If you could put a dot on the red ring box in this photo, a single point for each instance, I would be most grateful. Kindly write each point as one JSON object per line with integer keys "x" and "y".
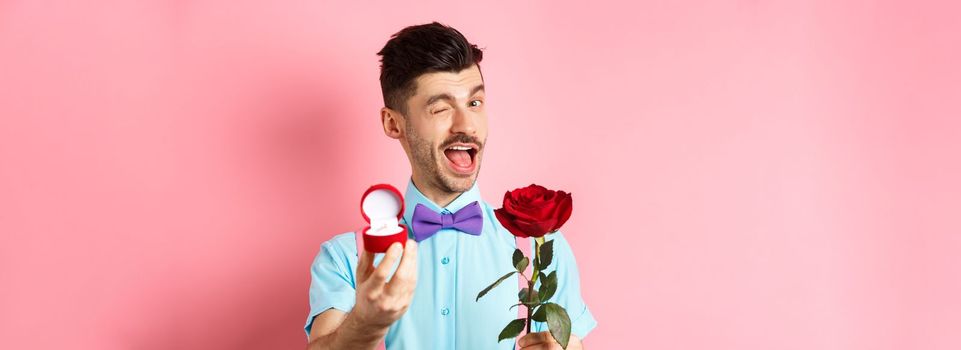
{"x": 382, "y": 206}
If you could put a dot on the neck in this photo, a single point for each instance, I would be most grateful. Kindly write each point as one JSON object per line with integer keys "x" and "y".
{"x": 440, "y": 197}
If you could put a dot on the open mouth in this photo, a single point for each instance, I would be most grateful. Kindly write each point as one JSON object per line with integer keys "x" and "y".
{"x": 462, "y": 158}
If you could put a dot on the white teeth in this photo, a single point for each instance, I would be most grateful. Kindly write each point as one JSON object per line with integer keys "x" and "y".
{"x": 460, "y": 148}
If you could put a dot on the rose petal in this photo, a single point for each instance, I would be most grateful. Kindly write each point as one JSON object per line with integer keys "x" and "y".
{"x": 535, "y": 228}
{"x": 519, "y": 210}
{"x": 508, "y": 222}
{"x": 565, "y": 207}
{"x": 510, "y": 204}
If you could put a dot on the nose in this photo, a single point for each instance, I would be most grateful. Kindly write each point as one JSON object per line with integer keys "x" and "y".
{"x": 463, "y": 122}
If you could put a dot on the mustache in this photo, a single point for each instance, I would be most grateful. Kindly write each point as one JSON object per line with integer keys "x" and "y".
{"x": 461, "y": 138}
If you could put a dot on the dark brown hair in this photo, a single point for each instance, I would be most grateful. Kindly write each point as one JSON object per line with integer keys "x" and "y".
{"x": 417, "y": 50}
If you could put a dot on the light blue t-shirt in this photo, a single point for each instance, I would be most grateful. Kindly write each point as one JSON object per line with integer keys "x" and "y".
{"x": 452, "y": 268}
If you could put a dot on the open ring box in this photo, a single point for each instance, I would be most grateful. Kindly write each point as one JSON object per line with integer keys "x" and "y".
{"x": 382, "y": 206}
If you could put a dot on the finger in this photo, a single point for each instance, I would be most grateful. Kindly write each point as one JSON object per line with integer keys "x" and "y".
{"x": 364, "y": 265}
{"x": 542, "y": 346}
{"x": 535, "y": 338}
{"x": 538, "y": 347}
{"x": 408, "y": 263}
{"x": 406, "y": 275}
{"x": 383, "y": 270}
{"x": 575, "y": 343}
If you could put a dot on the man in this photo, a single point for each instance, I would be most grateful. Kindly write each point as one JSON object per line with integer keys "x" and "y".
{"x": 434, "y": 105}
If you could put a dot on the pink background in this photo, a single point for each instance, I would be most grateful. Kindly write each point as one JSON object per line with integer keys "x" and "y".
{"x": 746, "y": 174}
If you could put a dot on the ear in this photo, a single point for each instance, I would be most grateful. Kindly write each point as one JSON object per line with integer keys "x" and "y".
{"x": 393, "y": 122}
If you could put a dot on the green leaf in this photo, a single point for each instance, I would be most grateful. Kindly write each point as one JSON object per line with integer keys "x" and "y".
{"x": 548, "y": 286}
{"x": 522, "y": 265}
{"x": 547, "y": 254}
{"x": 518, "y": 255}
{"x": 559, "y": 323}
{"x": 540, "y": 315}
{"x": 499, "y": 280}
{"x": 528, "y": 298}
{"x": 512, "y": 330}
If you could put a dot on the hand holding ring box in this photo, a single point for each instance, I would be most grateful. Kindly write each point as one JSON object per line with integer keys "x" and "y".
{"x": 382, "y": 206}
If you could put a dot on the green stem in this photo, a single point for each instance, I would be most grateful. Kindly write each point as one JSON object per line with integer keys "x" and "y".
{"x": 530, "y": 310}
{"x": 535, "y": 271}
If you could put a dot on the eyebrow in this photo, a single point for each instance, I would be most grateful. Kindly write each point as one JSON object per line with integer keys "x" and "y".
{"x": 446, "y": 96}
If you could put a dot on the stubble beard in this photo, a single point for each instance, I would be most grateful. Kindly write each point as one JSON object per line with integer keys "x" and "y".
{"x": 427, "y": 159}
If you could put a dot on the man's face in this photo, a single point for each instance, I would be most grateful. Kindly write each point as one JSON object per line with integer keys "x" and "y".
{"x": 446, "y": 129}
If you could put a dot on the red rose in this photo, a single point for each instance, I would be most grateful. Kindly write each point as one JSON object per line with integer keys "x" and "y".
{"x": 534, "y": 211}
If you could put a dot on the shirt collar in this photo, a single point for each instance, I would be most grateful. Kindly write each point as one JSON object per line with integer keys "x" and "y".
{"x": 414, "y": 196}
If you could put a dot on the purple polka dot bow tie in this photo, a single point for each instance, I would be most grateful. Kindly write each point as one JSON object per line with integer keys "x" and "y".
{"x": 427, "y": 222}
